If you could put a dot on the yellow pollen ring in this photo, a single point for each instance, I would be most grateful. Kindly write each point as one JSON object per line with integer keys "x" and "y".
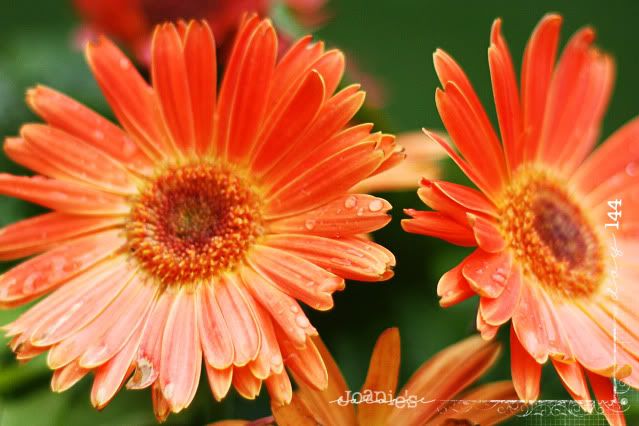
{"x": 550, "y": 235}
{"x": 191, "y": 223}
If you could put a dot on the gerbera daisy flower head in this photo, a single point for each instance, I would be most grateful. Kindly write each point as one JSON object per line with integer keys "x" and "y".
{"x": 538, "y": 220}
{"x": 436, "y": 394}
{"x": 192, "y": 231}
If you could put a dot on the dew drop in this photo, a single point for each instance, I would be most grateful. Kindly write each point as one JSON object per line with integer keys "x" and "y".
{"x": 168, "y": 391}
{"x": 499, "y": 278}
{"x": 360, "y": 211}
{"x": 124, "y": 63}
{"x": 310, "y": 224}
{"x": 631, "y": 169}
{"x": 294, "y": 309}
{"x": 276, "y": 359}
{"x": 29, "y": 284}
{"x": 99, "y": 135}
{"x": 302, "y": 321}
{"x": 350, "y": 202}
{"x": 375, "y": 205}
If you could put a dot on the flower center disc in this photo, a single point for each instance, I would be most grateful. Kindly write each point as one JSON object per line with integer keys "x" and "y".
{"x": 193, "y": 222}
{"x": 550, "y": 235}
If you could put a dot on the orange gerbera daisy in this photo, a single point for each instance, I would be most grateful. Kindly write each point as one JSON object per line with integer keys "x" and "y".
{"x": 132, "y": 21}
{"x": 193, "y": 231}
{"x": 427, "y": 398}
{"x": 539, "y": 217}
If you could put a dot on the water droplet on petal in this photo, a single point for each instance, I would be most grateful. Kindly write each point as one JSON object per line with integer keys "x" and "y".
{"x": 168, "y": 391}
{"x": 302, "y": 321}
{"x": 310, "y": 224}
{"x": 276, "y": 359}
{"x": 350, "y": 202}
{"x": 631, "y": 169}
{"x": 124, "y": 63}
{"x": 498, "y": 278}
{"x": 99, "y": 135}
{"x": 294, "y": 309}
{"x": 375, "y": 205}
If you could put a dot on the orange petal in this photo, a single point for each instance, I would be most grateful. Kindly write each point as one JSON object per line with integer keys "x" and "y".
{"x": 348, "y": 214}
{"x": 330, "y": 177}
{"x": 77, "y": 161}
{"x": 526, "y": 372}
{"x": 349, "y": 258}
{"x": 67, "y": 317}
{"x": 607, "y": 399}
{"x": 292, "y": 67}
{"x": 62, "y": 196}
{"x": 319, "y": 400}
{"x": 438, "y": 225}
{"x": 453, "y": 288}
{"x": 506, "y": 93}
{"x": 150, "y": 351}
{"x": 487, "y": 331}
{"x": 170, "y": 82}
{"x": 454, "y": 200}
{"x": 110, "y": 376}
{"x": 180, "y": 369}
{"x": 497, "y": 311}
{"x": 70, "y": 116}
{"x": 489, "y": 404}
{"x": 331, "y": 66}
{"x": 280, "y": 389}
{"x": 306, "y": 364}
{"x": 219, "y": 381}
{"x": 49, "y": 270}
{"x": 536, "y": 74}
{"x": 64, "y": 378}
{"x": 296, "y": 277}
{"x": 317, "y": 143}
{"x": 107, "y": 333}
{"x": 269, "y": 359}
{"x": 617, "y": 154}
{"x": 487, "y": 234}
{"x": 284, "y": 310}
{"x": 217, "y": 342}
{"x": 488, "y": 273}
{"x": 240, "y": 320}
{"x": 130, "y": 97}
{"x": 40, "y": 233}
{"x": 383, "y": 372}
{"x": 201, "y": 70}
{"x": 294, "y": 414}
{"x": 282, "y": 129}
{"x": 573, "y": 378}
{"x": 579, "y": 94}
{"x": 445, "y": 375}
{"x": 473, "y": 134}
{"x": 246, "y": 384}
{"x": 243, "y": 95}
{"x": 161, "y": 407}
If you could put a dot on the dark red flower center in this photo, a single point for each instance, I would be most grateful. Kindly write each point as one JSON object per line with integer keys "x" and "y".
{"x": 191, "y": 223}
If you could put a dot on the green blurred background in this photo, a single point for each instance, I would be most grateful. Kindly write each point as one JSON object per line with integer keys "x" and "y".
{"x": 392, "y": 41}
